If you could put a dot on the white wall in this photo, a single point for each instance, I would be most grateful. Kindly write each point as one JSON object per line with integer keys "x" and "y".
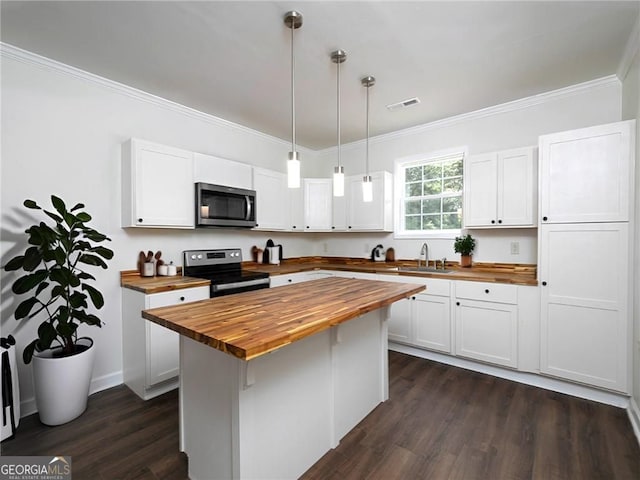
{"x": 630, "y": 110}
{"x": 512, "y": 125}
{"x": 61, "y": 134}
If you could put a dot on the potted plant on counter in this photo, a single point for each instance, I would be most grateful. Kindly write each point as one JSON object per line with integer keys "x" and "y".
{"x": 464, "y": 245}
{"x": 54, "y": 274}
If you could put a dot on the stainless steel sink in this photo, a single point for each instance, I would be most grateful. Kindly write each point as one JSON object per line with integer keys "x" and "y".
{"x": 423, "y": 269}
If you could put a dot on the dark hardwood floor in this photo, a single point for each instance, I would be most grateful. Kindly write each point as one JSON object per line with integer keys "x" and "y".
{"x": 440, "y": 422}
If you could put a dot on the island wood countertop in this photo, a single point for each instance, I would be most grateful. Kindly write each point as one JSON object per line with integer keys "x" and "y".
{"x": 250, "y": 324}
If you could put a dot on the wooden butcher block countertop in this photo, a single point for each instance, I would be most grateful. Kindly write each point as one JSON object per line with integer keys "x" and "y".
{"x": 131, "y": 279}
{"x": 250, "y": 324}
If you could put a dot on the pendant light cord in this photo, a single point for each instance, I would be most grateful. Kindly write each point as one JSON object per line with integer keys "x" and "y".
{"x": 293, "y": 95}
{"x": 367, "y": 157}
{"x": 339, "y": 162}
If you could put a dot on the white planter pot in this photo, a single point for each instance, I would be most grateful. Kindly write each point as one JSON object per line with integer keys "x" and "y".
{"x": 62, "y": 384}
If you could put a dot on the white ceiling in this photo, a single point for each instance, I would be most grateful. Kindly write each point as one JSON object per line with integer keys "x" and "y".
{"x": 232, "y": 59}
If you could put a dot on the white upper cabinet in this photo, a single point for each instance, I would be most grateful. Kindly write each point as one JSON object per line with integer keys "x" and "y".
{"x": 500, "y": 189}
{"x": 272, "y": 199}
{"x": 585, "y": 174}
{"x": 220, "y": 171}
{"x": 318, "y": 208}
{"x": 157, "y": 186}
{"x": 370, "y": 216}
{"x": 296, "y": 209}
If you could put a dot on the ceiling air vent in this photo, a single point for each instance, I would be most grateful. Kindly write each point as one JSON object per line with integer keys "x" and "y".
{"x": 403, "y": 104}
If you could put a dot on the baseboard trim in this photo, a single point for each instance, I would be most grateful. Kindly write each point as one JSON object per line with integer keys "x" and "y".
{"x": 533, "y": 379}
{"x": 634, "y": 417}
{"x": 28, "y": 406}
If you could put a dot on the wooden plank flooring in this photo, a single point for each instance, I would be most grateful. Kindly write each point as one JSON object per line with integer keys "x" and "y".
{"x": 440, "y": 422}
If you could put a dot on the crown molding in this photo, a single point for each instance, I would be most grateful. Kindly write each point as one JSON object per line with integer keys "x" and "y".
{"x": 608, "y": 81}
{"x": 630, "y": 51}
{"x": 24, "y": 56}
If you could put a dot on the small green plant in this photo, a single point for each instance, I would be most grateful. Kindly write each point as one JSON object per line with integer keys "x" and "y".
{"x": 464, "y": 245}
{"x": 54, "y": 262}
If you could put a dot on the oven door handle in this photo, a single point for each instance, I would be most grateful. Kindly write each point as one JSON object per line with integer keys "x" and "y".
{"x": 248, "y": 283}
{"x": 248, "y": 200}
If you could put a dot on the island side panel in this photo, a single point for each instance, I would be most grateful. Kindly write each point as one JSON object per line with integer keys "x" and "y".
{"x": 359, "y": 358}
{"x": 285, "y": 415}
{"x": 208, "y": 410}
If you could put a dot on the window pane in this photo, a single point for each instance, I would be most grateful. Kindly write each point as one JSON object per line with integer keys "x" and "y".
{"x": 432, "y": 187}
{"x": 413, "y": 174}
{"x": 451, "y": 221}
{"x": 412, "y": 206}
{"x": 431, "y": 222}
{"x": 451, "y": 185}
{"x": 412, "y": 222}
{"x": 414, "y": 190}
{"x": 452, "y": 168}
{"x": 432, "y": 170}
{"x": 452, "y": 204}
{"x": 431, "y": 206}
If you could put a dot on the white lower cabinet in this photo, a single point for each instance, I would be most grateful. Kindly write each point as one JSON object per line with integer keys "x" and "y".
{"x": 424, "y": 320}
{"x": 151, "y": 352}
{"x": 486, "y": 322}
{"x": 279, "y": 280}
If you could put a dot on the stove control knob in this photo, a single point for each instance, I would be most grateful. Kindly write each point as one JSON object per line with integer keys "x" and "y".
{"x": 199, "y": 256}
{"x": 193, "y": 257}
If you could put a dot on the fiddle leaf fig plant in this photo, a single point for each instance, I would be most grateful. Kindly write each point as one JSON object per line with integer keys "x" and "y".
{"x": 54, "y": 266}
{"x": 464, "y": 245}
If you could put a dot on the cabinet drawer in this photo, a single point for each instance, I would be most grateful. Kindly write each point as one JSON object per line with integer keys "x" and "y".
{"x": 176, "y": 297}
{"x": 488, "y": 292}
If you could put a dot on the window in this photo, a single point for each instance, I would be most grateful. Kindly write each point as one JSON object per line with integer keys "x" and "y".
{"x": 430, "y": 195}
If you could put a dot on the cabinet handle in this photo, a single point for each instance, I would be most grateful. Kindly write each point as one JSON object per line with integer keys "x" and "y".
{"x": 544, "y": 219}
{"x": 182, "y": 299}
{"x": 333, "y": 228}
{"x": 486, "y": 290}
{"x": 307, "y": 226}
{"x": 139, "y": 220}
{"x": 349, "y": 226}
{"x": 413, "y": 298}
{"x": 544, "y": 284}
{"x": 289, "y": 280}
{"x": 493, "y": 221}
{"x": 294, "y": 227}
{"x": 458, "y": 303}
{"x": 499, "y": 221}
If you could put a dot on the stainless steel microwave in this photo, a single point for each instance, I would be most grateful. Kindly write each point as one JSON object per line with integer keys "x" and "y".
{"x": 222, "y": 206}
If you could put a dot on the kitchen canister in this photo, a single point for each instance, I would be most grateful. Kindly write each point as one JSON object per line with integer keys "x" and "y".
{"x": 163, "y": 270}
{"x": 148, "y": 269}
{"x": 172, "y": 270}
{"x": 274, "y": 255}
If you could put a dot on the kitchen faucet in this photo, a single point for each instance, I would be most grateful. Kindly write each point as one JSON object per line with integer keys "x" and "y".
{"x": 424, "y": 251}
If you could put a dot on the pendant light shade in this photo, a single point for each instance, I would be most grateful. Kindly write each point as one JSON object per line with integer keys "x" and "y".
{"x": 293, "y": 20}
{"x": 338, "y": 57}
{"x": 367, "y": 184}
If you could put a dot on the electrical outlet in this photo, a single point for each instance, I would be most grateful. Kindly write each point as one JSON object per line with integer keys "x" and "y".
{"x": 515, "y": 248}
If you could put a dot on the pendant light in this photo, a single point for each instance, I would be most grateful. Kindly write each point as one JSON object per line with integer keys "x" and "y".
{"x": 367, "y": 183}
{"x": 338, "y": 57}
{"x": 293, "y": 20}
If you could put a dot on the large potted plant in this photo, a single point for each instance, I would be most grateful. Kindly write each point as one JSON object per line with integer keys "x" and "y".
{"x": 464, "y": 245}
{"x": 60, "y": 291}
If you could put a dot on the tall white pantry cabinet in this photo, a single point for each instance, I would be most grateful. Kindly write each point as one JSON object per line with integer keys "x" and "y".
{"x": 585, "y": 247}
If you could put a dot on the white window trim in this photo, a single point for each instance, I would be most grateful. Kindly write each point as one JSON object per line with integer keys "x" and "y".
{"x": 398, "y": 195}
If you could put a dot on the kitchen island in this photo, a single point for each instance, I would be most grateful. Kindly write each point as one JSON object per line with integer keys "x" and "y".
{"x": 270, "y": 380}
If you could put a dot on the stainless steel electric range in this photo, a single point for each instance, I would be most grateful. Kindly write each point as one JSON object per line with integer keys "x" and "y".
{"x": 223, "y": 267}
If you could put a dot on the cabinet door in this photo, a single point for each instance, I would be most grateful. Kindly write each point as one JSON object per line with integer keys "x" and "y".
{"x": 296, "y": 209}
{"x": 374, "y": 215}
{"x": 432, "y": 322}
{"x": 399, "y": 328}
{"x": 480, "y": 187}
{"x": 149, "y": 171}
{"x": 487, "y": 331}
{"x": 272, "y": 199}
{"x": 517, "y": 187}
{"x": 318, "y": 209}
{"x": 220, "y": 171}
{"x": 163, "y": 351}
{"x": 584, "y": 174}
{"x": 339, "y": 223}
{"x": 279, "y": 280}
{"x": 584, "y": 303}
